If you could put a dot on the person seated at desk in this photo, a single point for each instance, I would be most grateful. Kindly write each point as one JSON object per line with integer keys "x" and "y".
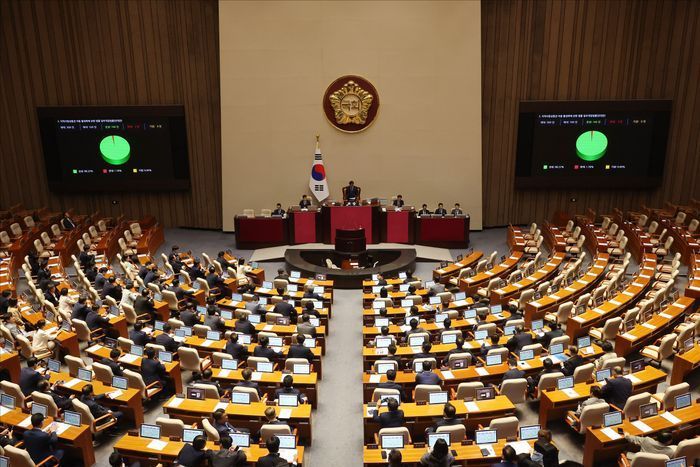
{"x": 398, "y": 202}
{"x": 205, "y": 378}
{"x": 179, "y": 292}
{"x": 545, "y": 452}
{"x": 113, "y": 362}
{"x": 88, "y": 397}
{"x": 222, "y": 425}
{"x": 80, "y": 309}
{"x": 193, "y": 454}
{"x": 414, "y": 328}
{"x": 166, "y": 339}
{"x": 309, "y": 293}
{"x": 311, "y": 310}
{"x": 137, "y": 336}
{"x": 254, "y": 306}
{"x": 5, "y": 301}
{"x": 278, "y": 211}
{"x": 575, "y": 360}
{"x": 427, "y": 376}
{"x": 43, "y": 275}
{"x": 244, "y": 326}
{"x": 494, "y": 339}
{"x": 43, "y": 339}
{"x": 213, "y": 320}
{"x": 299, "y": 350}
{"x": 609, "y": 353}
{"x": 217, "y": 285}
{"x": 15, "y": 326}
{"x": 61, "y": 401}
{"x": 175, "y": 260}
{"x": 283, "y": 307}
{"x": 96, "y": 321}
{"x": 262, "y": 350}
{"x": 116, "y": 460}
{"x": 129, "y": 294}
{"x": 394, "y": 458}
{"x": 617, "y": 389}
{"x": 457, "y": 211}
{"x": 305, "y": 327}
{"x": 392, "y": 418}
{"x": 449, "y": 418}
{"x": 227, "y": 455}
{"x": 547, "y": 368}
{"x": 225, "y": 264}
{"x": 440, "y": 456}
{"x": 67, "y": 223}
{"x": 440, "y": 211}
{"x": 595, "y": 397}
{"x": 305, "y": 202}
{"x": 143, "y": 304}
{"x": 425, "y": 352}
{"x": 270, "y": 419}
{"x": 555, "y": 331}
{"x": 509, "y": 458}
{"x": 287, "y": 388}
{"x": 234, "y": 349}
{"x": 663, "y": 444}
{"x": 52, "y": 295}
{"x": 86, "y": 259}
{"x": 513, "y": 372}
{"x": 459, "y": 349}
{"x": 111, "y": 289}
{"x": 282, "y": 274}
{"x": 29, "y": 378}
{"x": 391, "y": 383}
{"x": 519, "y": 340}
{"x": 195, "y": 271}
{"x": 273, "y": 458}
{"x": 100, "y": 278}
{"x": 482, "y": 316}
{"x": 381, "y": 280}
{"x": 424, "y": 211}
{"x": 152, "y": 370}
{"x": 391, "y": 354}
{"x": 41, "y": 444}
{"x": 351, "y": 194}
{"x": 247, "y": 382}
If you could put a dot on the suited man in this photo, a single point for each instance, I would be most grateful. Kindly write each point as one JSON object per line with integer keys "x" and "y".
{"x": 61, "y": 401}
{"x": 398, "y": 202}
{"x": 206, "y": 379}
{"x": 227, "y": 455}
{"x": 351, "y": 193}
{"x": 459, "y": 349}
{"x": 309, "y": 293}
{"x": 298, "y": 350}
{"x": 213, "y": 320}
{"x": 80, "y": 309}
{"x": 96, "y": 321}
{"x": 425, "y": 352}
{"x": 391, "y": 383}
{"x": 254, "y": 306}
{"x": 166, "y": 339}
{"x": 152, "y": 369}
{"x": 519, "y": 340}
{"x": 556, "y": 331}
{"x": 100, "y": 278}
{"x": 51, "y": 294}
{"x": 282, "y": 274}
{"x": 175, "y": 260}
{"x": 424, "y": 211}
{"x": 273, "y": 458}
{"x": 278, "y": 211}
{"x": 85, "y": 259}
{"x": 305, "y": 327}
{"x": 427, "y": 376}
{"x": 138, "y": 336}
{"x": 144, "y": 304}
{"x": 88, "y": 397}
{"x": 215, "y": 281}
{"x": 288, "y": 388}
{"x": 113, "y": 362}
{"x": 283, "y": 308}
{"x": 449, "y": 418}
{"x": 305, "y": 202}
{"x": 29, "y": 378}
{"x": 617, "y": 389}
{"x": 544, "y": 446}
{"x": 179, "y": 292}
{"x": 457, "y": 211}
{"x": 193, "y": 454}
{"x": 441, "y": 211}
{"x": 234, "y": 349}
{"x": 66, "y": 222}
{"x": 513, "y": 372}
{"x": 244, "y": 326}
{"x": 570, "y": 365}
{"x": 152, "y": 275}
{"x": 247, "y": 382}
{"x": 393, "y": 418}
{"x": 311, "y": 311}
{"x": 189, "y": 316}
{"x": 196, "y": 271}
{"x": 262, "y": 350}
{"x": 112, "y": 289}
{"x": 40, "y": 444}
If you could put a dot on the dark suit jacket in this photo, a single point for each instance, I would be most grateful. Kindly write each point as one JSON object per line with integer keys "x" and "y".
{"x": 236, "y": 350}
{"x": 86, "y": 259}
{"x": 150, "y": 277}
{"x": 139, "y": 337}
{"x": 246, "y": 327}
{"x": 518, "y": 341}
{"x": 266, "y": 352}
{"x": 215, "y": 281}
{"x": 100, "y": 281}
{"x": 168, "y": 342}
{"x": 617, "y": 391}
{"x": 116, "y": 367}
{"x": 393, "y": 385}
{"x": 428, "y": 377}
{"x": 390, "y": 419}
{"x": 570, "y": 365}
{"x": 95, "y": 321}
{"x": 67, "y": 223}
{"x": 249, "y": 384}
{"x": 29, "y": 379}
{"x": 112, "y": 290}
{"x": 62, "y": 402}
{"x": 550, "y": 453}
{"x": 299, "y": 351}
{"x": 546, "y": 339}
{"x": 96, "y": 409}
{"x": 283, "y": 308}
{"x": 227, "y": 458}
{"x": 188, "y": 317}
{"x": 513, "y": 374}
{"x": 143, "y": 305}
{"x": 190, "y": 457}
{"x": 80, "y": 311}
{"x": 271, "y": 460}
{"x": 152, "y": 371}
{"x": 39, "y": 444}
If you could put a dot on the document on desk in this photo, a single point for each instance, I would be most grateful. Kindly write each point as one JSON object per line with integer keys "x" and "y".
{"x": 224, "y": 373}
{"x": 405, "y": 327}
{"x": 61, "y": 427}
{"x": 94, "y": 348}
{"x": 440, "y": 271}
{"x": 629, "y": 336}
{"x": 179, "y": 339}
{"x": 571, "y": 393}
{"x": 176, "y": 402}
{"x": 665, "y": 316}
{"x": 641, "y": 426}
{"x": 268, "y": 327}
{"x": 481, "y": 371}
{"x": 447, "y": 374}
{"x": 381, "y": 351}
{"x": 26, "y": 422}
{"x": 633, "y": 378}
{"x": 628, "y": 293}
{"x": 115, "y": 394}
{"x": 649, "y": 326}
{"x": 220, "y": 405}
{"x": 615, "y": 302}
{"x": 290, "y": 455}
{"x": 71, "y": 383}
{"x": 157, "y": 445}
{"x": 257, "y": 376}
{"x": 610, "y": 433}
{"x": 4, "y": 410}
{"x": 285, "y": 414}
{"x": 129, "y": 358}
{"x": 207, "y": 343}
{"x": 471, "y": 406}
{"x": 374, "y": 379}
{"x": 521, "y": 447}
{"x": 460, "y": 303}
{"x": 671, "y": 418}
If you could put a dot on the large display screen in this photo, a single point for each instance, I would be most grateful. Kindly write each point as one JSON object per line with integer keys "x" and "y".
{"x": 591, "y": 144}
{"x": 115, "y": 148}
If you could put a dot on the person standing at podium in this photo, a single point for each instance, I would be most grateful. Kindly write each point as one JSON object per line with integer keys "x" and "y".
{"x": 398, "y": 202}
{"x": 305, "y": 202}
{"x": 351, "y": 194}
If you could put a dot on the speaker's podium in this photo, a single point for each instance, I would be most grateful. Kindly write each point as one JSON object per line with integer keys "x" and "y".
{"x": 351, "y": 246}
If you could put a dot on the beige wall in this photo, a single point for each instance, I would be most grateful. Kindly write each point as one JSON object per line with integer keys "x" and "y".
{"x": 424, "y": 58}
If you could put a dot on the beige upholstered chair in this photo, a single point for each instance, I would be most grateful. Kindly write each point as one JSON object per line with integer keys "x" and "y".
{"x": 212, "y": 433}
{"x": 663, "y": 350}
{"x": 20, "y": 458}
{"x": 631, "y": 408}
{"x": 592, "y": 415}
{"x": 457, "y": 432}
{"x": 515, "y": 390}
{"x": 609, "y": 330}
{"x": 584, "y": 373}
{"x": 74, "y": 363}
{"x": 254, "y": 396}
{"x": 668, "y": 397}
{"x": 267, "y": 431}
{"x": 506, "y": 427}
{"x": 423, "y": 391}
{"x": 379, "y": 392}
{"x": 15, "y": 391}
{"x": 688, "y": 448}
{"x": 403, "y": 431}
{"x": 136, "y": 381}
{"x": 170, "y": 427}
{"x": 96, "y": 424}
{"x": 191, "y": 361}
{"x": 467, "y": 389}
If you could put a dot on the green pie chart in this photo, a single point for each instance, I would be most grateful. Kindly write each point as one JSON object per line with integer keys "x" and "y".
{"x": 115, "y": 150}
{"x": 591, "y": 145}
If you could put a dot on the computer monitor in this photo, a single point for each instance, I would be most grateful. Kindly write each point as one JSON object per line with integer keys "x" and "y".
{"x": 275, "y": 341}
{"x": 255, "y": 319}
{"x": 529, "y": 432}
{"x": 149, "y": 431}
{"x": 240, "y": 397}
{"x": 495, "y": 359}
{"x": 434, "y": 300}
{"x": 458, "y": 363}
{"x": 165, "y": 357}
{"x": 496, "y": 309}
{"x": 301, "y": 369}
{"x": 526, "y": 355}
{"x": 377, "y": 305}
{"x": 441, "y": 317}
{"x": 111, "y": 343}
{"x": 295, "y": 274}
{"x": 403, "y": 287}
{"x": 485, "y": 436}
{"x": 637, "y": 365}
{"x": 438, "y": 397}
{"x": 292, "y": 288}
{"x": 40, "y": 408}
{"x": 310, "y": 343}
{"x": 244, "y": 339}
{"x": 267, "y": 285}
{"x": 71, "y": 418}
{"x": 54, "y": 365}
{"x": 242, "y": 440}
{"x": 120, "y": 382}
{"x": 158, "y": 326}
{"x": 509, "y": 330}
{"x": 483, "y": 394}
{"x": 213, "y": 335}
{"x": 602, "y": 375}
{"x": 402, "y": 275}
{"x": 433, "y": 437}
{"x": 537, "y": 325}
{"x": 136, "y": 350}
{"x": 566, "y": 382}
{"x": 688, "y": 344}
{"x": 195, "y": 394}
{"x": 236, "y": 297}
{"x": 384, "y": 398}
{"x": 391, "y": 442}
{"x": 648, "y": 410}
{"x": 448, "y": 338}
{"x": 382, "y": 368}
{"x": 677, "y": 462}
{"x": 4, "y": 461}
{"x": 66, "y": 326}
{"x": 264, "y": 367}
{"x": 288, "y": 400}
{"x": 416, "y": 341}
{"x": 189, "y": 434}
{"x": 583, "y": 342}
{"x": 459, "y": 296}
{"x": 555, "y": 349}
{"x": 470, "y": 313}
{"x": 580, "y": 309}
{"x": 683, "y": 401}
{"x": 481, "y": 335}
{"x": 202, "y": 310}
{"x": 406, "y": 303}
{"x": 287, "y": 441}
{"x": 227, "y": 314}
{"x": 85, "y": 374}
{"x": 262, "y": 300}
{"x": 612, "y": 418}
{"x": 229, "y": 364}
{"x": 318, "y": 305}
{"x": 7, "y": 401}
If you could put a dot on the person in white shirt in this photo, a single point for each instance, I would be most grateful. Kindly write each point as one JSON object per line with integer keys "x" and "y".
{"x": 65, "y": 304}
{"x": 609, "y": 353}
{"x": 128, "y": 295}
{"x": 43, "y": 339}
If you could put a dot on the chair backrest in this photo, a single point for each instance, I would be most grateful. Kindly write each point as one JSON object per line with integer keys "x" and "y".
{"x": 4, "y": 237}
{"x": 503, "y": 351}
{"x": 47, "y": 400}
{"x": 457, "y": 432}
{"x": 536, "y": 348}
{"x": 18, "y": 457}
{"x": 669, "y": 399}
{"x": 468, "y": 389}
{"x": 631, "y": 408}
{"x": 129, "y": 313}
{"x": 419, "y": 361}
{"x": 209, "y": 429}
{"x": 592, "y": 415}
{"x": 82, "y": 330}
{"x": 124, "y": 344}
{"x": 693, "y": 226}
{"x": 403, "y": 431}
{"x": 217, "y": 357}
{"x": 515, "y": 390}
{"x": 549, "y": 380}
{"x": 189, "y": 358}
{"x": 506, "y": 427}
{"x": 565, "y": 340}
{"x": 491, "y": 328}
{"x": 652, "y": 227}
{"x": 103, "y": 373}
{"x": 210, "y": 391}
{"x": 688, "y": 448}
{"x": 647, "y": 459}
{"x": 200, "y": 330}
{"x": 267, "y": 431}
{"x": 86, "y": 416}
{"x": 135, "y": 380}
{"x": 25, "y": 348}
{"x": 252, "y": 362}
{"x": 583, "y": 373}
{"x": 611, "y": 328}
{"x": 13, "y": 389}
{"x": 613, "y": 362}
{"x": 564, "y": 312}
{"x": 203, "y": 285}
{"x": 666, "y": 345}
{"x": 254, "y": 396}
{"x": 170, "y": 299}
{"x": 379, "y": 392}
{"x": 170, "y": 427}
{"x": 459, "y": 356}
{"x": 135, "y": 228}
{"x": 74, "y": 363}
{"x": 16, "y": 229}
{"x": 290, "y": 362}
{"x": 423, "y": 391}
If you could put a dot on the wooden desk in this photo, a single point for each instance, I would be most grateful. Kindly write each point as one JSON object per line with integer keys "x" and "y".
{"x": 443, "y": 275}
{"x": 250, "y": 416}
{"x": 536, "y": 309}
{"x": 582, "y": 324}
{"x": 10, "y": 361}
{"x": 599, "y": 448}
{"x": 684, "y": 363}
{"x": 420, "y": 417}
{"x": 231, "y": 305}
{"x": 553, "y": 237}
{"x": 512, "y": 291}
{"x": 515, "y": 238}
{"x": 554, "y": 404}
{"x": 138, "y": 448}
{"x": 128, "y": 402}
{"x": 66, "y": 340}
{"x": 693, "y": 287}
{"x": 76, "y": 441}
{"x": 260, "y": 232}
{"x": 660, "y": 324}
{"x": 268, "y": 382}
{"x": 472, "y": 284}
{"x": 396, "y": 297}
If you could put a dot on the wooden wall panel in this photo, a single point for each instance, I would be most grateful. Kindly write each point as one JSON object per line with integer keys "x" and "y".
{"x": 111, "y": 52}
{"x": 587, "y": 50}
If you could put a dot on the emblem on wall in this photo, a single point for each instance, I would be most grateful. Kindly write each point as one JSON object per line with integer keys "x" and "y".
{"x": 351, "y": 103}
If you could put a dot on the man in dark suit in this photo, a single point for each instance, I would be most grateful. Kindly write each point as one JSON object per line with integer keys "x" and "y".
{"x": 398, "y": 202}
{"x": 153, "y": 370}
{"x": 225, "y": 264}
{"x": 144, "y": 268}
{"x": 427, "y": 376}
{"x": 617, "y": 389}
{"x": 213, "y": 320}
{"x": 227, "y": 455}
{"x": 288, "y": 388}
{"x": 351, "y": 193}
{"x": 96, "y": 321}
{"x": 262, "y": 350}
{"x": 100, "y": 278}
{"x": 112, "y": 289}
{"x": 61, "y": 401}
{"x": 244, "y": 326}
{"x": 138, "y": 336}
{"x": 284, "y": 308}
{"x": 193, "y": 455}
{"x": 569, "y": 366}
{"x": 273, "y": 458}
{"x": 216, "y": 284}
{"x": 278, "y": 211}
{"x": 40, "y": 444}
{"x": 80, "y": 309}
{"x": 205, "y": 378}
{"x": 51, "y": 294}
{"x": 393, "y": 418}
{"x": 166, "y": 339}
{"x": 519, "y": 340}
{"x": 513, "y": 372}
{"x": 144, "y": 304}
{"x": 29, "y": 378}
{"x": 175, "y": 260}
{"x": 544, "y": 446}
{"x": 282, "y": 274}
{"x": 457, "y": 210}
{"x": 309, "y": 293}
{"x": 441, "y": 211}
{"x": 459, "y": 349}
{"x": 509, "y": 457}
{"x": 391, "y": 383}
{"x": 547, "y": 368}
{"x": 222, "y": 425}
{"x": 425, "y": 351}
{"x": 113, "y": 362}
{"x": 247, "y": 382}
{"x": 298, "y": 350}
{"x": 67, "y": 223}
{"x": 234, "y": 349}
{"x": 85, "y": 259}
{"x": 424, "y": 211}
{"x": 88, "y": 397}
{"x": 556, "y": 331}
{"x": 189, "y": 316}
{"x": 449, "y": 418}
{"x": 196, "y": 271}
{"x": 152, "y": 275}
